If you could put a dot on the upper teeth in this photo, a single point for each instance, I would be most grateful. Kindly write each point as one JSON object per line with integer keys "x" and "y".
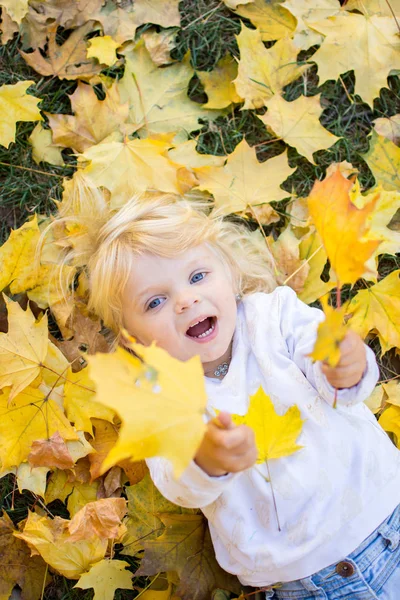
{"x": 197, "y": 322}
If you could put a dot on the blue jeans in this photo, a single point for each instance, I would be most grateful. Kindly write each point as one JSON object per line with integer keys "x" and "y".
{"x": 371, "y": 571}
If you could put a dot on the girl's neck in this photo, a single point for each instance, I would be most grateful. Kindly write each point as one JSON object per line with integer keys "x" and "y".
{"x": 209, "y": 368}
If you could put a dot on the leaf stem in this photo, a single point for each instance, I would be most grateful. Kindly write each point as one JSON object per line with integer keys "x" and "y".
{"x": 338, "y": 305}
{"x": 273, "y": 496}
{"x": 29, "y": 169}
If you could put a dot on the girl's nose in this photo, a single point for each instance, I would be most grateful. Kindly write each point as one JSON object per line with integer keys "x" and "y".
{"x": 185, "y": 300}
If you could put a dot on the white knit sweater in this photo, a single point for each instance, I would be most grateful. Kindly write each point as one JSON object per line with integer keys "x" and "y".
{"x": 331, "y": 494}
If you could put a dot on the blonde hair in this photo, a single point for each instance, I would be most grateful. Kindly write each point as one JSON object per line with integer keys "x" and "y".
{"x": 164, "y": 225}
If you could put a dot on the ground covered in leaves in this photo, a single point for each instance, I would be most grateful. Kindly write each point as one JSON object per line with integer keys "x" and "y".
{"x": 243, "y": 104}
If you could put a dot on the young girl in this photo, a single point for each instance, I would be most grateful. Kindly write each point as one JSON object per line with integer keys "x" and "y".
{"x": 200, "y": 285}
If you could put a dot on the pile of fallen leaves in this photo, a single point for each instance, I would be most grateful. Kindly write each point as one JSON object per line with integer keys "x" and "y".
{"x": 69, "y": 432}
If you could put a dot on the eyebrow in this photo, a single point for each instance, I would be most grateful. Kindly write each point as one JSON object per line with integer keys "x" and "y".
{"x": 147, "y": 291}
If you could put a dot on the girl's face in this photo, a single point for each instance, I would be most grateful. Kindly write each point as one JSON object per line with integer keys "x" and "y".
{"x": 186, "y": 304}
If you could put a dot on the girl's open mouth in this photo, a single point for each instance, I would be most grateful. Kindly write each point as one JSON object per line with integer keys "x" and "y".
{"x": 204, "y": 330}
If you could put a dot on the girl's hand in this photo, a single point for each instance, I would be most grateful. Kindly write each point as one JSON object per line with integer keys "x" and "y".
{"x": 226, "y": 448}
{"x": 351, "y": 366}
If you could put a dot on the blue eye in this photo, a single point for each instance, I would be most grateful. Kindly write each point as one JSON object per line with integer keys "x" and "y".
{"x": 154, "y": 303}
{"x": 197, "y": 277}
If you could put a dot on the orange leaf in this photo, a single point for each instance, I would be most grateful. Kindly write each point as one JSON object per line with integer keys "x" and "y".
{"x": 101, "y": 518}
{"x": 342, "y": 226}
{"x": 51, "y": 453}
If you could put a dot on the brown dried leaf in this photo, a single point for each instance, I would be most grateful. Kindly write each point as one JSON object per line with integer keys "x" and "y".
{"x": 17, "y": 564}
{"x": 68, "y": 61}
{"x": 51, "y": 453}
{"x": 101, "y": 519}
{"x": 7, "y": 27}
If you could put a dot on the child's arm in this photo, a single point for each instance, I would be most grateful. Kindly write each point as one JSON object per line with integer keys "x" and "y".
{"x": 225, "y": 451}
{"x": 357, "y": 372}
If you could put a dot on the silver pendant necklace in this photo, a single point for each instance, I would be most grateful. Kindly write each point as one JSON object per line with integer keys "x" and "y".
{"x": 221, "y": 370}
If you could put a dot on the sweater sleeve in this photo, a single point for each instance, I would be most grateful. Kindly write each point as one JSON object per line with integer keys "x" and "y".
{"x": 299, "y": 324}
{"x": 194, "y": 489}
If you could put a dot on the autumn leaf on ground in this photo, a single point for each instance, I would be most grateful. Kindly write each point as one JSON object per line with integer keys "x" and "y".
{"x": 308, "y": 11}
{"x": 30, "y": 416}
{"x": 16, "y": 105}
{"x": 383, "y": 158}
{"x": 270, "y": 18}
{"x": 330, "y": 333}
{"x": 371, "y": 7}
{"x": 378, "y": 308}
{"x": 185, "y": 547}
{"x": 341, "y": 226}
{"x": 105, "y": 437}
{"x": 23, "y": 349}
{"x": 8, "y": 27}
{"x": 244, "y": 181}
{"x": 218, "y": 83}
{"x": 105, "y": 577}
{"x": 17, "y": 566}
{"x": 297, "y": 123}
{"x": 16, "y": 256}
{"x": 312, "y": 250}
{"x": 159, "y": 45}
{"x": 367, "y": 45}
{"x": 162, "y": 414}
{"x": 68, "y": 61}
{"x": 79, "y": 401}
{"x": 389, "y": 128}
{"x": 264, "y": 72}
{"x": 142, "y": 522}
{"x": 17, "y": 9}
{"x": 390, "y": 421}
{"x": 160, "y": 12}
{"x": 158, "y": 100}
{"x": 276, "y": 435}
{"x": 291, "y": 269}
{"x": 126, "y": 168}
{"x": 52, "y": 452}
{"x": 101, "y": 518}
{"x": 43, "y": 149}
{"x": 103, "y": 48}
{"x": 94, "y": 119}
{"x": 73, "y": 487}
{"x": 51, "y": 539}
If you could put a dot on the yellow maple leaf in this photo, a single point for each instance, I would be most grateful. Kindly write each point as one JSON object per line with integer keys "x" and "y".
{"x": 162, "y": 415}
{"x": 308, "y": 11}
{"x": 28, "y": 417}
{"x": 383, "y": 158}
{"x": 94, "y": 119}
{"x": 16, "y": 105}
{"x": 378, "y": 308}
{"x": 157, "y": 97}
{"x": 378, "y": 7}
{"x": 276, "y": 435}
{"x": 17, "y": 9}
{"x": 313, "y": 252}
{"x": 264, "y": 72}
{"x": 126, "y": 168}
{"x": 43, "y": 148}
{"x": 341, "y": 226}
{"x": 105, "y": 577}
{"x": 243, "y": 181}
{"x": 159, "y": 45}
{"x": 218, "y": 83}
{"x": 270, "y": 18}
{"x": 330, "y": 333}
{"x": 390, "y": 421}
{"x": 79, "y": 401}
{"x": 104, "y": 49}
{"x": 51, "y": 539}
{"x": 366, "y": 44}
{"x": 297, "y": 123}
{"x": 16, "y": 256}
{"x": 101, "y": 518}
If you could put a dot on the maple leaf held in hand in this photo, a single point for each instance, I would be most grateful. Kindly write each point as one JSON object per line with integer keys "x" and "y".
{"x": 162, "y": 414}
